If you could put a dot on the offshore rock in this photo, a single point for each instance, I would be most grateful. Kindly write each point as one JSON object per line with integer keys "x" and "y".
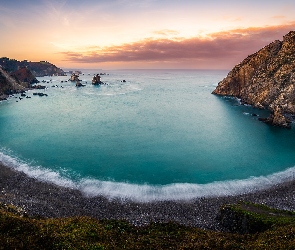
{"x": 266, "y": 79}
{"x": 74, "y": 78}
{"x": 96, "y": 80}
{"x": 79, "y": 84}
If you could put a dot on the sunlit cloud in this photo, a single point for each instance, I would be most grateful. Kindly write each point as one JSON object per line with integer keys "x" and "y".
{"x": 230, "y": 46}
{"x": 166, "y": 32}
{"x": 279, "y": 17}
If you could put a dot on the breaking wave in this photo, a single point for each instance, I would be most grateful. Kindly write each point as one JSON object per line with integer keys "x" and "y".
{"x": 147, "y": 193}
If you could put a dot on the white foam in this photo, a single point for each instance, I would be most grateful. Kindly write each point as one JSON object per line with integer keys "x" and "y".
{"x": 147, "y": 193}
{"x": 36, "y": 172}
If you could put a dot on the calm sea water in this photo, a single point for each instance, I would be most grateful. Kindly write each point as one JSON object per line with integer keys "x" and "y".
{"x": 159, "y": 135}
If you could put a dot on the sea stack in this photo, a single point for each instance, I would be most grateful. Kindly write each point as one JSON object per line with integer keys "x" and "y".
{"x": 74, "y": 78}
{"x": 96, "y": 80}
{"x": 266, "y": 79}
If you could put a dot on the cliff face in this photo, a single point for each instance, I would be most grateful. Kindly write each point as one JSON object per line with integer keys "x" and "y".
{"x": 25, "y": 77}
{"x": 38, "y": 69}
{"x": 266, "y": 79}
{"x": 9, "y": 84}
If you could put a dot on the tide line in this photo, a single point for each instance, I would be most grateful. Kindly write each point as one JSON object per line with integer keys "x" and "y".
{"x": 147, "y": 193}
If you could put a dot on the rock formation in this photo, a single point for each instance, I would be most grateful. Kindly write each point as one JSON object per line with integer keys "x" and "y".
{"x": 25, "y": 77}
{"x": 9, "y": 84}
{"x": 74, "y": 78}
{"x": 79, "y": 84}
{"x": 96, "y": 80}
{"x": 38, "y": 69}
{"x": 266, "y": 79}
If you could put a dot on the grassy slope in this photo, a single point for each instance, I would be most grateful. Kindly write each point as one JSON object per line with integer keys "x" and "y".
{"x": 20, "y": 232}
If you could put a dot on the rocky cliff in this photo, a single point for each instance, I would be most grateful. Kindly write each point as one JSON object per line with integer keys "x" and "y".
{"x": 266, "y": 79}
{"x": 25, "y": 77}
{"x": 9, "y": 84}
{"x": 38, "y": 69}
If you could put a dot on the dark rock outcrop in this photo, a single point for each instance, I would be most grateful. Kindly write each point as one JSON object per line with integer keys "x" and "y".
{"x": 74, "y": 78}
{"x": 25, "y": 77}
{"x": 79, "y": 84}
{"x": 9, "y": 84}
{"x": 96, "y": 80}
{"x": 266, "y": 79}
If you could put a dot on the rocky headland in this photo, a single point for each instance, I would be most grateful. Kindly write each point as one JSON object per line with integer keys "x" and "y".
{"x": 10, "y": 84}
{"x": 25, "y": 77}
{"x": 38, "y": 69}
{"x": 266, "y": 80}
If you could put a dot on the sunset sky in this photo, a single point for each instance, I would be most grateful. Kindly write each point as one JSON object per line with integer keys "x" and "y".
{"x": 121, "y": 34}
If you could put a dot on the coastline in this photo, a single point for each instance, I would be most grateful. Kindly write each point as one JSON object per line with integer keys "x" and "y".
{"x": 37, "y": 198}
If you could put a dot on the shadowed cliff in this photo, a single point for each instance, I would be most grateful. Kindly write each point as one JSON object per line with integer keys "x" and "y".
{"x": 15, "y": 82}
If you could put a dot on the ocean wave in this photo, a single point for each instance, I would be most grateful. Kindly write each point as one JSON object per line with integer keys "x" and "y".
{"x": 147, "y": 193}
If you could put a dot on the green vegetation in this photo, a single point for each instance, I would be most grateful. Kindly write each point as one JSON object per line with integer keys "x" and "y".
{"x": 246, "y": 217}
{"x": 18, "y": 231}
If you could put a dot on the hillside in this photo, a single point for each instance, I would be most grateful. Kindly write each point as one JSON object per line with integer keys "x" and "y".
{"x": 9, "y": 84}
{"x": 273, "y": 229}
{"x": 38, "y": 69}
{"x": 266, "y": 79}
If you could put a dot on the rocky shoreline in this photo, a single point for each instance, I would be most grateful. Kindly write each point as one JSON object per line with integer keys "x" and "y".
{"x": 266, "y": 80}
{"x": 36, "y": 198}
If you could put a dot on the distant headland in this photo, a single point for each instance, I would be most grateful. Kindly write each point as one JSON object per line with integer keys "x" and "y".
{"x": 266, "y": 79}
{"x": 18, "y": 76}
{"x": 38, "y": 69}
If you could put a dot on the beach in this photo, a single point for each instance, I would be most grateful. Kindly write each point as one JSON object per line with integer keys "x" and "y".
{"x": 48, "y": 200}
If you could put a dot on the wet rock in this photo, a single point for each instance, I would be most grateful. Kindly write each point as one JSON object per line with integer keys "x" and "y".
{"x": 277, "y": 119}
{"x": 74, "y": 77}
{"x": 40, "y": 94}
{"x": 96, "y": 80}
{"x": 79, "y": 84}
{"x": 38, "y": 87}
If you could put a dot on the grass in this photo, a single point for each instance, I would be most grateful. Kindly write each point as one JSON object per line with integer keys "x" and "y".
{"x": 252, "y": 218}
{"x": 21, "y": 232}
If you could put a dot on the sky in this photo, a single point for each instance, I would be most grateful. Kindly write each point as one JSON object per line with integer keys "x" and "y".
{"x": 141, "y": 34}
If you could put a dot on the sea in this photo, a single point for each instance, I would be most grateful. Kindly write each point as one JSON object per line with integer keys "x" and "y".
{"x": 144, "y": 135}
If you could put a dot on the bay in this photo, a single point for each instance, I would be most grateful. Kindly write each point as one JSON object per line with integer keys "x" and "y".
{"x": 160, "y": 129}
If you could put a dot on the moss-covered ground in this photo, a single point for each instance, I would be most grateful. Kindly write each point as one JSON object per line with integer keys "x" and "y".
{"x": 22, "y": 232}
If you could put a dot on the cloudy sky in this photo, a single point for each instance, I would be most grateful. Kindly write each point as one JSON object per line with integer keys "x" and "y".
{"x": 113, "y": 34}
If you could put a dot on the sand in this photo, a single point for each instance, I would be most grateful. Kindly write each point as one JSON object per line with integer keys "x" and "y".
{"x": 48, "y": 200}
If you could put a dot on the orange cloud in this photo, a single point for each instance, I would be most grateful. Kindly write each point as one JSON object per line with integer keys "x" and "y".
{"x": 279, "y": 17}
{"x": 228, "y": 47}
{"x": 166, "y": 32}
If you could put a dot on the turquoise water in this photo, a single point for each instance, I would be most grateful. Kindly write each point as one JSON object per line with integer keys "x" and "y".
{"x": 159, "y": 135}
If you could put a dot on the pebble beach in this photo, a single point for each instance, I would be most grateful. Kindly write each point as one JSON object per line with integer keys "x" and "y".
{"x": 42, "y": 199}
